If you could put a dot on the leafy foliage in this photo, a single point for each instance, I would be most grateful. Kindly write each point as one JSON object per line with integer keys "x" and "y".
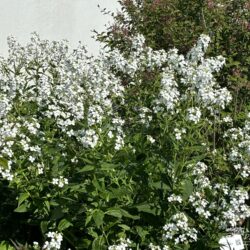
{"x": 168, "y": 24}
{"x": 138, "y": 148}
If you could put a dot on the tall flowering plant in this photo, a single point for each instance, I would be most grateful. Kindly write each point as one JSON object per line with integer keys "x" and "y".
{"x": 134, "y": 150}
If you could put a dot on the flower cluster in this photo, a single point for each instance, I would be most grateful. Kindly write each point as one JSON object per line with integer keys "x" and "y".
{"x": 169, "y": 94}
{"x": 179, "y": 133}
{"x": 197, "y": 53}
{"x": 194, "y": 114}
{"x": 239, "y": 154}
{"x": 44, "y": 82}
{"x": 55, "y": 241}
{"x": 123, "y": 245}
{"x": 196, "y": 74}
{"x": 175, "y": 198}
{"x": 60, "y": 182}
{"x": 198, "y": 172}
{"x": 200, "y": 205}
{"x": 225, "y": 206}
{"x": 144, "y": 115}
{"x": 236, "y": 210}
{"x": 179, "y": 231}
{"x": 150, "y": 139}
{"x": 154, "y": 247}
{"x": 140, "y": 58}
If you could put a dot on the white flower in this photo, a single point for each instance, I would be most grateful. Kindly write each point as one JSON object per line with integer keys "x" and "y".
{"x": 169, "y": 94}
{"x": 40, "y": 168}
{"x": 110, "y": 134}
{"x": 119, "y": 142}
{"x": 153, "y": 247}
{"x": 123, "y": 245}
{"x": 178, "y": 230}
{"x": 175, "y": 198}
{"x": 60, "y": 182}
{"x": 6, "y": 174}
{"x": 227, "y": 119}
{"x": 32, "y": 159}
{"x": 194, "y": 114}
{"x": 89, "y": 138}
{"x": 178, "y": 133}
{"x": 198, "y": 51}
{"x": 150, "y": 139}
{"x": 54, "y": 242}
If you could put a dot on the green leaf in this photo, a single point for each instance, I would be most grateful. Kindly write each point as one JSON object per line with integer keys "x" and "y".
{"x": 87, "y": 160}
{"x": 116, "y": 212}
{"x": 128, "y": 215}
{"x": 125, "y": 227}
{"x": 3, "y": 163}
{"x": 160, "y": 185}
{"x": 88, "y": 219}
{"x": 98, "y": 243}
{"x": 47, "y": 204}
{"x": 86, "y": 168}
{"x": 21, "y": 209}
{"x": 146, "y": 208}
{"x": 53, "y": 203}
{"x": 93, "y": 233}
{"x": 57, "y": 213}
{"x": 215, "y": 245}
{"x": 142, "y": 232}
{"x": 44, "y": 226}
{"x": 5, "y": 246}
{"x": 185, "y": 247}
{"x": 96, "y": 184}
{"x": 108, "y": 166}
{"x": 187, "y": 189}
{"x": 98, "y": 216}
{"x": 64, "y": 224}
{"x": 22, "y": 198}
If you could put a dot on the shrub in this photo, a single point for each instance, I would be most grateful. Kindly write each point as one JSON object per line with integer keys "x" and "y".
{"x": 168, "y": 24}
{"x": 137, "y": 149}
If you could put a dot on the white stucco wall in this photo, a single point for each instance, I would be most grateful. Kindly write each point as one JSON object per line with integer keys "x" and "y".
{"x": 53, "y": 19}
